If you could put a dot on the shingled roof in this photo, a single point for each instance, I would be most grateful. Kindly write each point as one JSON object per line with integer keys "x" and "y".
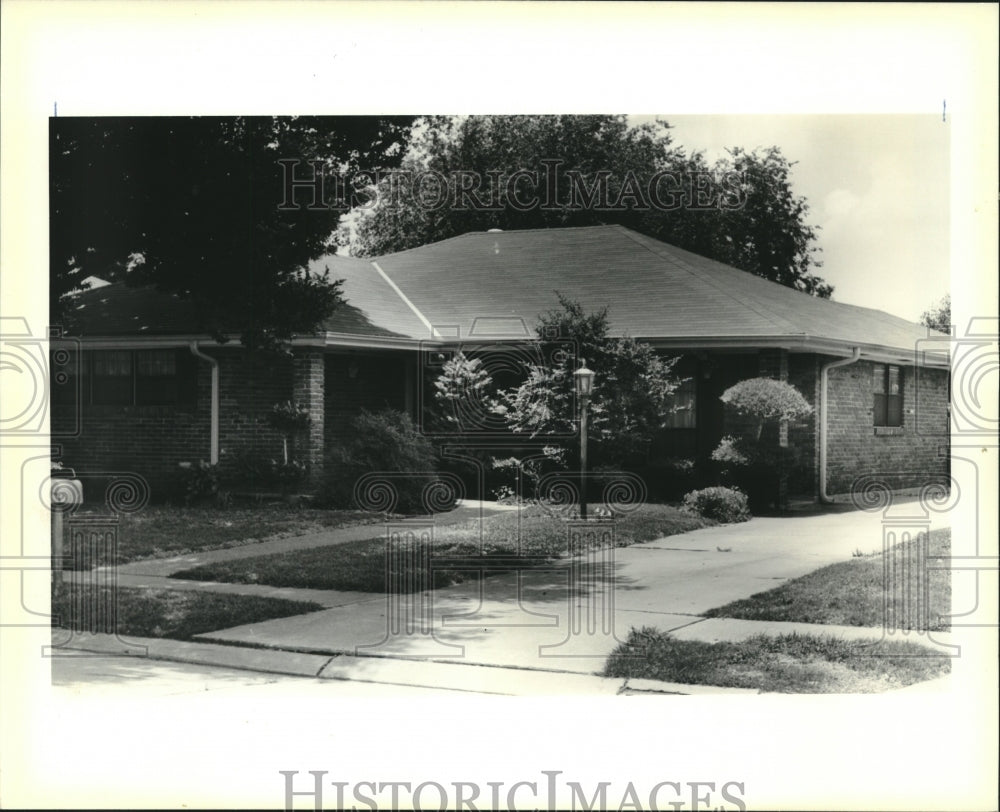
{"x": 653, "y": 290}
{"x": 373, "y": 308}
{"x": 494, "y": 285}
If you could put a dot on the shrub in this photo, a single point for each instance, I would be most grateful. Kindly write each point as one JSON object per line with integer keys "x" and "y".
{"x": 526, "y": 472}
{"x": 198, "y": 482}
{"x": 722, "y": 504}
{"x": 728, "y": 453}
{"x": 380, "y": 442}
{"x": 254, "y": 470}
{"x": 766, "y": 399}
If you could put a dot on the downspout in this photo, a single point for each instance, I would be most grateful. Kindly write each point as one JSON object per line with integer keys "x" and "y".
{"x": 824, "y": 497}
{"x": 214, "y": 425}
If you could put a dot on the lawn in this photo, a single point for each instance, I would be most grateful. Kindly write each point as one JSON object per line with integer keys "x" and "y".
{"x": 507, "y": 541}
{"x": 786, "y": 664}
{"x": 848, "y": 593}
{"x": 163, "y": 531}
{"x": 177, "y": 614}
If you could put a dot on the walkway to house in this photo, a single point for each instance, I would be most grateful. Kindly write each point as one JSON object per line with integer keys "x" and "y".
{"x": 564, "y": 620}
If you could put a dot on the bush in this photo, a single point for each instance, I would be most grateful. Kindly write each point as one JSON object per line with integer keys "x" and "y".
{"x": 380, "y": 442}
{"x": 526, "y": 472}
{"x": 766, "y": 399}
{"x": 198, "y": 482}
{"x": 254, "y": 470}
{"x": 722, "y": 504}
{"x": 729, "y": 453}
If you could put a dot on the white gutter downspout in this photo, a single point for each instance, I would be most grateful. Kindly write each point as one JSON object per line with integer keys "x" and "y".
{"x": 214, "y": 425}
{"x": 824, "y": 497}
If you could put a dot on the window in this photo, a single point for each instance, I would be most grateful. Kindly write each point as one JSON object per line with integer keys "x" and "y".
{"x": 141, "y": 377}
{"x": 155, "y": 377}
{"x": 111, "y": 383}
{"x": 888, "y": 395}
{"x": 682, "y": 401}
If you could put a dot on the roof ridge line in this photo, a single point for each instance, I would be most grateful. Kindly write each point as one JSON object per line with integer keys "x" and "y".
{"x": 465, "y": 234}
{"x": 423, "y": 319}
{"x": 767, "y": 316}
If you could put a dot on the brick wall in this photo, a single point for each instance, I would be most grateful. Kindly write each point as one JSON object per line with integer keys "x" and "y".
{"x": 308, "y": 388}
{"x": 909, "y": 453}
{"x": 147, "y": 440}
{"x": 248, "y": 387}
{"x": 854, "y": 448}
{"x": 152, "y": 440}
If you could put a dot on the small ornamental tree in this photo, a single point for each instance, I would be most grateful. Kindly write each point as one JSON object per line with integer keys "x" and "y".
{"x": 766, "y": 401}
{"x": 632, "y": 384}
{"x": 288, "y": 418}
{"x": 757, "y": 458}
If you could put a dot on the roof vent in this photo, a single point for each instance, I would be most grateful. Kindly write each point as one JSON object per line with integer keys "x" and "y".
{"x": 495, "y": 231}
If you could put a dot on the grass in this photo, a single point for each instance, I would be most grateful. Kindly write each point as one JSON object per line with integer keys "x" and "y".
{"x": 848, "y": 593}
{"x": 507, "y": 541}
{"x": 785, "y": 664}
{"x": 177, "y": 614}
{"x": 162, "y": 531}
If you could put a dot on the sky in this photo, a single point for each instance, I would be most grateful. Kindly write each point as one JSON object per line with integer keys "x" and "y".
{"x": 877, "y": 186}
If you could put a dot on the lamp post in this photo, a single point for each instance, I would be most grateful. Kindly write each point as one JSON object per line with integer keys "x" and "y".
{"x": 584, "y": 386}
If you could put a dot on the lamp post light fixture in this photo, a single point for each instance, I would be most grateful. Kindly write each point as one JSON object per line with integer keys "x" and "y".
{"x": 584, "y": 386}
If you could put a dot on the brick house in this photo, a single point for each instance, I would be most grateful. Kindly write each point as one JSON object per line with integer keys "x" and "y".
{"x": 146, "y": 390}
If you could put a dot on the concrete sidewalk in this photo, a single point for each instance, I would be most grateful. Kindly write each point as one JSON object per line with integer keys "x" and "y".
{"x": 570, "y": 616}
{"x": 506, "y": 630}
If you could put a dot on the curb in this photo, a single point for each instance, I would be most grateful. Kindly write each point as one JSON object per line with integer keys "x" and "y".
{"x": 463, "y": 678}
{"x": 271, "y": 661}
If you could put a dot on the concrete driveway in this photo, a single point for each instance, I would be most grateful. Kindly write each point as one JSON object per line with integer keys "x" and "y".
{"x": 571, "y": 616}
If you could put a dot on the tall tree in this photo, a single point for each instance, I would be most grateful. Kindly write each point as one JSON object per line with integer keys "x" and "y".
{"x": 195, "y": 207}
{"x": 742, "y": 210}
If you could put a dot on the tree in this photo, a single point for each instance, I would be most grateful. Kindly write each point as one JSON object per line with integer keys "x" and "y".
{"x": 938, "y": 317}
{"x": 741, "y": 210}
{"x": 194, "y": 206}
{"x": 768, "y": 235}
{"x": 632, "y": 384}
{"x": 756, "y": 459}
{"x": 489, "y": 152}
